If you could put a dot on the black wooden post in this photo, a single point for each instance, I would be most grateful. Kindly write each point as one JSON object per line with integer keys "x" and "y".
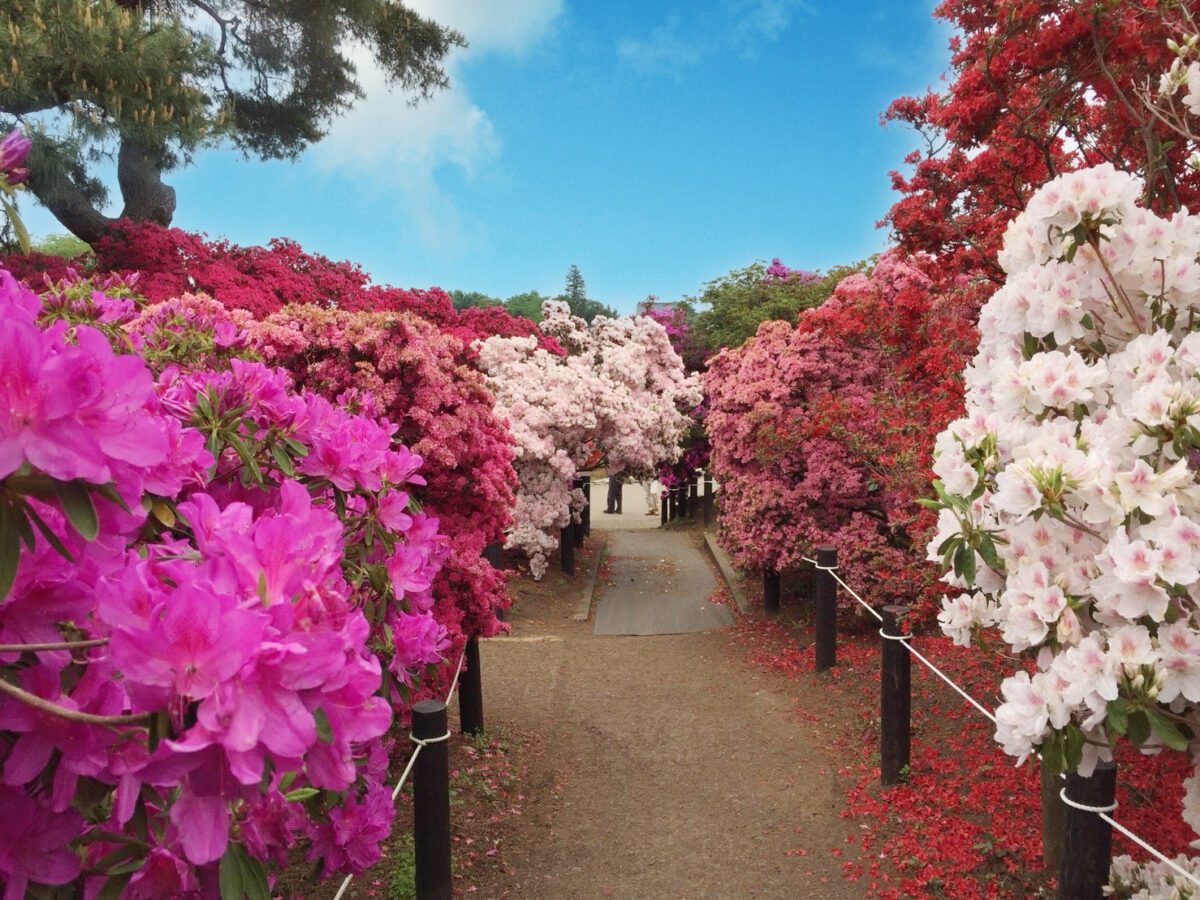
{"x": 895, "y": 700}
{"x": 662, "y": 506}
{"x": 431, "y": 802}
{"x": 577, "y": 527}
{"x": 693, "y": 495}
{"x": 708, "y": 498}
{"x": 826, "y": 602}
{"x": 1087, "y": 844}
{"x": 470, "y": 691}
{"x": 586, "y": 515}
{"x": 566, "y": 549}
{"x": 683, "y": 500}
{"x": 492, "y": 554}
{"x": 1054, "y": 813}
{"x": 770, "y": 591}
{"x": 672, "y": 496}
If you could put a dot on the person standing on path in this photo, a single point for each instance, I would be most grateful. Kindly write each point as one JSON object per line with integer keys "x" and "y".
{"x": 614, "y": 493}
{"x": 651, "y": 497}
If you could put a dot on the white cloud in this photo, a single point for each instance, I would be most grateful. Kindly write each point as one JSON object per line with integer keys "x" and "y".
{"x": 386, "y": 144}
{"x": 763, "y": 20}
{"x": 507, "y": 26}
{"x": 738, "y": 25}
{"x": 664, "y": 50}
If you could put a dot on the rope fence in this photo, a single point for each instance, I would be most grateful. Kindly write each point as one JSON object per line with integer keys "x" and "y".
{"x": 1086, "y": 856}
{"x": 431, "y": 783}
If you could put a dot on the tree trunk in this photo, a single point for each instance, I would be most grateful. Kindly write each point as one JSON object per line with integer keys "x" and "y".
{"x": 147, "y": 199}
{"x": 139, "y": 176}
{"x": 70, "y": 206}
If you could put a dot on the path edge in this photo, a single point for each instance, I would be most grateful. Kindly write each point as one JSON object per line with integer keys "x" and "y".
{"x": 584, "y": 610}
{"x": 727, "y": 572}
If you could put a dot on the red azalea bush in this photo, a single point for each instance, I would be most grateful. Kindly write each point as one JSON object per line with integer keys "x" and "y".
{"x": 822, "y": 433}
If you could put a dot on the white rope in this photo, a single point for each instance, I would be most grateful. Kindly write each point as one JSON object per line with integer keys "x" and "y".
{"x": 942, "y": 675}
{"x": 1161, "y": 856}
{"x": 1062, "y": 795}
{"x": 865, "y": 605}
{"x": 412, "y": 760}
{"x": 1101, "y": 811}
{"x": 832, "y": 570}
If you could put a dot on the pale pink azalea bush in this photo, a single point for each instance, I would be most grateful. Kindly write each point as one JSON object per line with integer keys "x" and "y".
{"x": 620, "y": 387}
{"x": 219, "y": 563}
{"x": 1069, "y": 512}
{"x": 820, "y": 431}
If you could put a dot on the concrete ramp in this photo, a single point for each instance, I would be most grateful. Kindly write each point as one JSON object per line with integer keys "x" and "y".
{"x": 658, "y": 583}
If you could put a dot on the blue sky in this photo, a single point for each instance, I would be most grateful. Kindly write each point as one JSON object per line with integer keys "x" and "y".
{"x": 655, "y": 145}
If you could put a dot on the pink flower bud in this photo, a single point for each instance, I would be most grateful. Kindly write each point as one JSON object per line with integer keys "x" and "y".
{"x": 14, "y": 147}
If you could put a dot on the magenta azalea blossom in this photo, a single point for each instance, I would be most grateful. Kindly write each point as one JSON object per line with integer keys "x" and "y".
{"x": 33, "y": 843}
{"x": 195, "y": 641}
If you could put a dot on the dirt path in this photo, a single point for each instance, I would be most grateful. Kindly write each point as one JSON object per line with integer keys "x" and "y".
{"x": 668, "y": 768}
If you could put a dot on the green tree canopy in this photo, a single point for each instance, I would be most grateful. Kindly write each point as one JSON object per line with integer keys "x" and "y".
{"x": 738, "y": 302}
{"x": 61, "y": 245}
{"x": 465, "y": 299}
{"x": 151, "y": 81}
{"x": 528, "y": 304}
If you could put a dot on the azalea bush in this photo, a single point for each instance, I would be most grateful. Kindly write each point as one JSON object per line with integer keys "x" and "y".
{"x": 213, "y": 587}
{"x": 1069, "y": 508}
{"x": 820, "y": 431}
{"x": 418, "y": 376}
{"x": 404, "y": 354}
{"x": 619, "y": 388}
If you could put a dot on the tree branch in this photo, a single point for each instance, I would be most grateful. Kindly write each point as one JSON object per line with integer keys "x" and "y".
{"x": 54, "y": 645}
{"x": 73, "y": 715}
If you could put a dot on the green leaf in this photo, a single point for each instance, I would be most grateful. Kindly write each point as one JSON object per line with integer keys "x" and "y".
{"x": 10, "y": 547}
{"x": 114, "y": 887}
{"x": 1139, "y": 727}
{"x": 283, "y": 460}
{"x": 987, "y": 549}
{"x": 1052, "y": 755}
{"x": 247, "y": 458}
{"x": 1116, "y": 718}
{"x": 297, "y": 448}
{"x": 229, "y": 874}
{"x": 301, "y": 794}
{"x": 1073, "y": 747}
{"x": 109, "y": 492}
{"x": 324, "y": 731}
{"x": 77, "y": 504}
{"x": 50, "y": 536}
{"x": 964, "y": 563}
{"x": 240, "y": 876}
{"x": 254, "y": 879}
{"x": 23, "y": 526}
{"x": 1166, "y": 730}
{"x": 18, "y": 226}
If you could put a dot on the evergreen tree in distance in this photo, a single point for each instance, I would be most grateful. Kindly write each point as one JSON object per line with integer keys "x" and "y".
{"x": 575, "y": 296}
{"x": 152, "y": 81}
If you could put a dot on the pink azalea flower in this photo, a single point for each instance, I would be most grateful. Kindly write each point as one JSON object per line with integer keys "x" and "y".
{"x": 193, "y": 643}
{"x": 34, "y": 843}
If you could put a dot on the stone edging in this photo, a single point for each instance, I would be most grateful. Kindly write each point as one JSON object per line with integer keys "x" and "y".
{"x": 585, "y": 604}
{"x": 727, "y": 572}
